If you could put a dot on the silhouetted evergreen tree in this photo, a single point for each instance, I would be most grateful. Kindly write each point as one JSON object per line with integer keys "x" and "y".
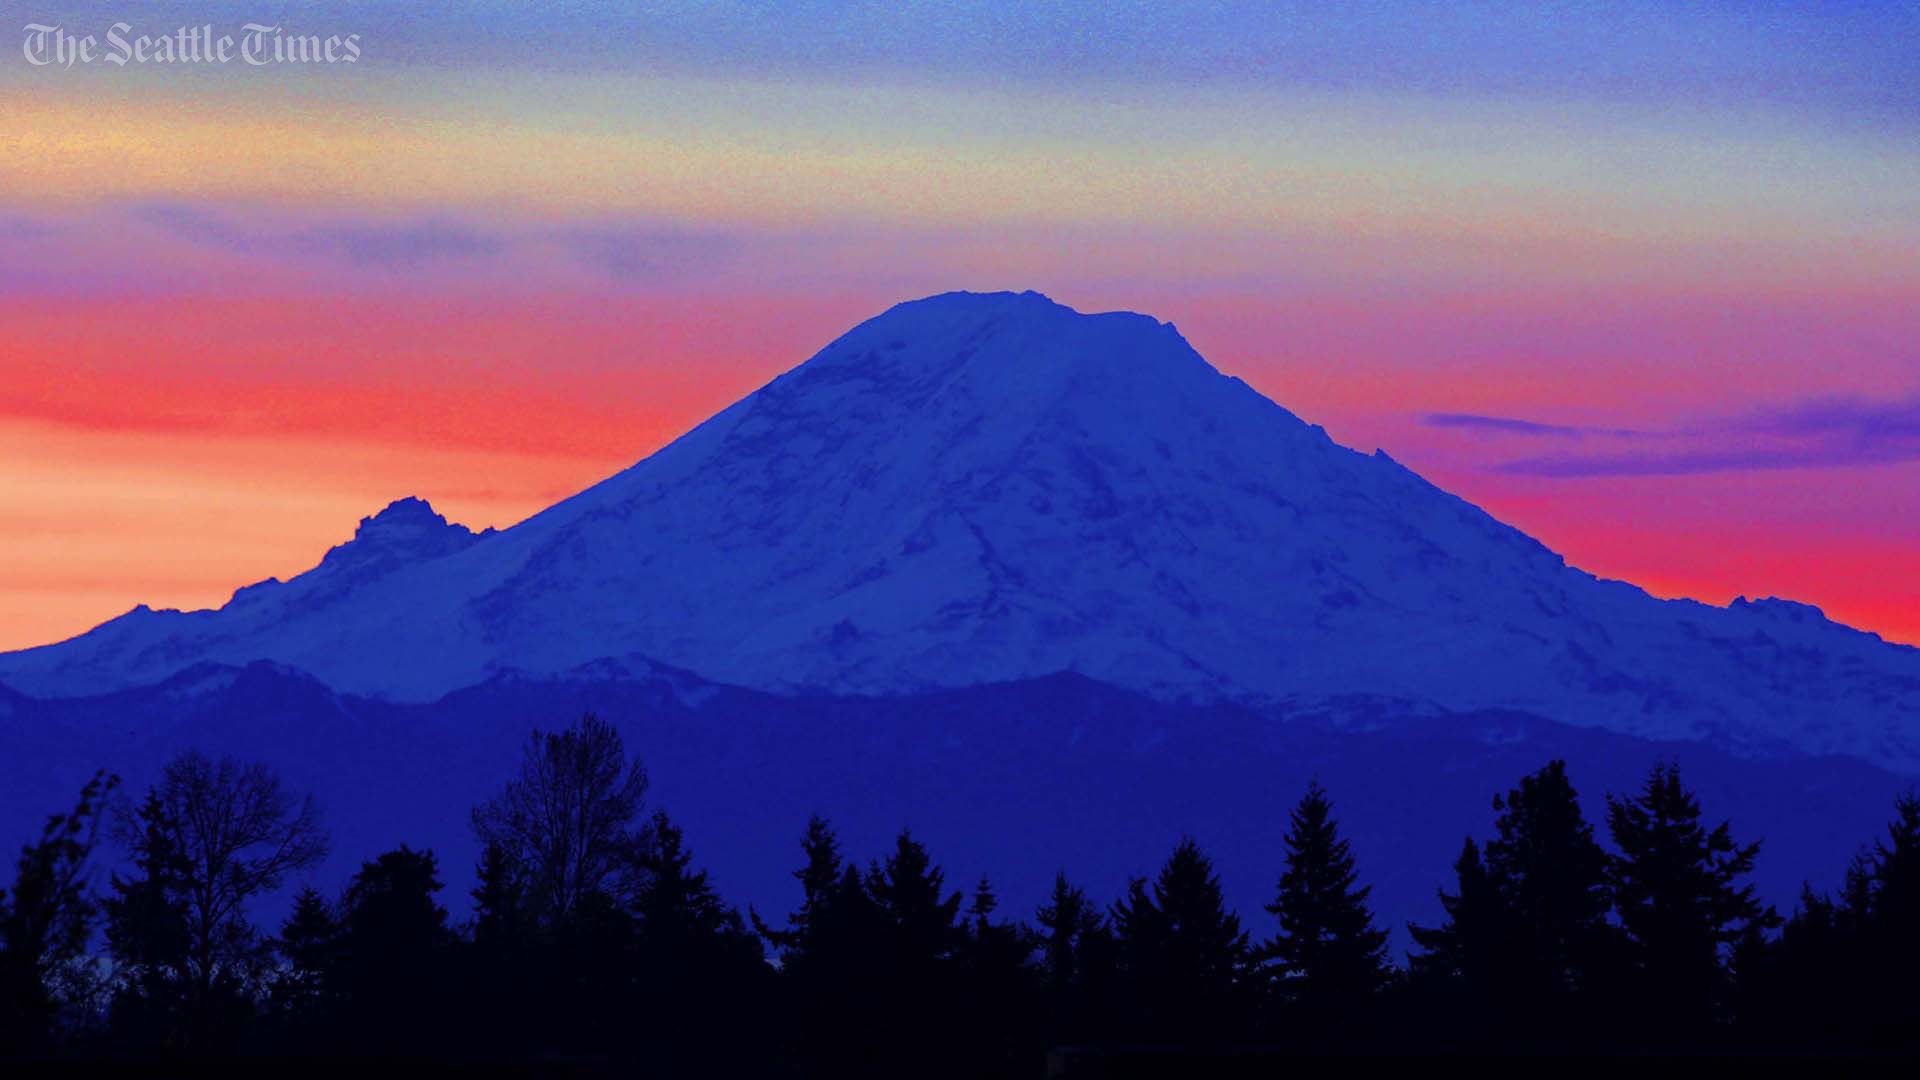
{"x": 308, "y": 941}
{"x": 920, "y": 915}
{"x": 589, "y": 985}
{"x": 1078, "y": 964}
{"x": 502, "y": 970}
{"x": 999, "y": 1029}
{"x": 1551, "y": 875}
{"x": 820, "y": 879}
{"x": 678, "y": 909}
{"x": 1888, "y": 917}
{"x": 501, "y": 922}
{"x": 1463, "y": 948}
{"x": 146, "y": 931}
{"x": 1895, "y": 872}
{"x": 696, "y": 962}
{"x": 831, "y": 965}
{"x": 302, "y": 992}
{"x": 1801, "y": 993}
{"x": 1329, "y": 960}
{"x": 1527, "y": 939}
{"x": 393, "y": 954}
{"x": 1678, "y": 890}
{"x": 919, "y": 935}
{"x": 1065, "y": 920}
{"x": 883, "y": 972}
{"x": 46, "y": 919}
{"x": 1842, "y": 975}
{"x": 989, "y": 943}
{"x": 1182, "y": 953}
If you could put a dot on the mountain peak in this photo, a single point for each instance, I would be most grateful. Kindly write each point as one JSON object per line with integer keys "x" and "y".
{"x": 1006, "y": 305}
{"x": 974, "y": 488}
{"x": 408, "y": 513}
{"x": 406, "y": 531}
{"x": 408, "y": 528}
{"x": 1003, "y": 299}
{"x": 1006, "y": 330}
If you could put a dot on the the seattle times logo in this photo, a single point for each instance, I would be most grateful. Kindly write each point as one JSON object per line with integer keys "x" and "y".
{"x": 254, "y": 45}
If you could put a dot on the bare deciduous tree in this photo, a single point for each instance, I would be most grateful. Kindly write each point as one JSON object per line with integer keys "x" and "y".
{"x": 569, "y": 821}
{"x": 235, "y": 833}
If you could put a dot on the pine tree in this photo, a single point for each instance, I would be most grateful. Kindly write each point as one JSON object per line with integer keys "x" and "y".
{"x": 882, "y": 966}
{"x": 147, "y": 930}
{"x": 833, "y": 963}
{"x": 981, "y": 908}
{"x": 1526, "y": 931}
{"x": 921, "y": 915}
{"x": 1077, "y": 962}
{"x": 505, "y": 967}
{"x": 1329, "y": 957}
{"x": 1068, "y": 921}
{"x": 1880, "y": 915}
{"x": 308, "y": 945}
{"x": 1894, "y": 904}
{"x": 1810, "y": 989}
{"x": 1526, "y": 939}
{"x": 502, "y": 923}
{"x": 995, "y": 953}
{"x": 393, "y": 950}
{"x": 1182, "y": 952}
{"x": 997, "y": 987}
{"x": 679, "y": 911}
{"x": 820, "y": 880}
{"x": 1551, "y": 875}
{"x": 693, "y": 952}
{"x": 1677, "y": 887}
{"x": 1459, "y": 950}
{"x": 995, "y": 945}
{"x": 390, "y": 917}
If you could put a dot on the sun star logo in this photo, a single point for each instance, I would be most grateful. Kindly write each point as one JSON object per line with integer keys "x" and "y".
{"x": 256, "y": 45}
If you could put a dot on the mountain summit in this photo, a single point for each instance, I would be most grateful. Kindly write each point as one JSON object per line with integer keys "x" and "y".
{"x": 972, "y": 489}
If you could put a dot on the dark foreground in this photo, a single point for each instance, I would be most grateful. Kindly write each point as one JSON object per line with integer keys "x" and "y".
{"x": 596, "y": 945}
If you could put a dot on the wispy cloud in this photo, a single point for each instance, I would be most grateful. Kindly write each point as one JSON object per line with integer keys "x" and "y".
{"x": 1709, "y": 461}
{"x": 1508, "y": 425}
{"x": 398, "y": 246}
{"x": 198, "y": 226}
{"x": 28, "y": 229}
{"x": 1821, "y": 433}
{"x": 628, "y": 253}
{"x": 1850, "y": 418}
{"x": 366, "y": 244}
{"x": 649, "y": 254}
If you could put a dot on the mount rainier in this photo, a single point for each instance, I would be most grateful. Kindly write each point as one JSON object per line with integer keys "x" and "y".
{"x": 973, "y": 489}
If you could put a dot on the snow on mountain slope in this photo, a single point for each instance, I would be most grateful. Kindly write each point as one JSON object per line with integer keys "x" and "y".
{"x": 981, "y": 488}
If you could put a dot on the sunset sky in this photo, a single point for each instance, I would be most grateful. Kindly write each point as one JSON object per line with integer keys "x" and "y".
{"x": 1644, "y": 284}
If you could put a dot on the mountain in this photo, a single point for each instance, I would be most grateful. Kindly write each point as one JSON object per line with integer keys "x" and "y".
{"x": 978, "y": 489}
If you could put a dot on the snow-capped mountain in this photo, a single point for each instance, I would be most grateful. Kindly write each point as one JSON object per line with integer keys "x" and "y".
{"x": 972, "y": 489}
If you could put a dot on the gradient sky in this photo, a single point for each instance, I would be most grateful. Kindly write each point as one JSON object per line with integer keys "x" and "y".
{"x": 1643, "y": 280}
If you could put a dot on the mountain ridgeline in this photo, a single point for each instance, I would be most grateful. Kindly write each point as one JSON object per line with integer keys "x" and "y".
{"x": 978, "y": 489}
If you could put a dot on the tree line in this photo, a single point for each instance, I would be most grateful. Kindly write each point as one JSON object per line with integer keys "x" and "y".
{"x": 596, "y": 943}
